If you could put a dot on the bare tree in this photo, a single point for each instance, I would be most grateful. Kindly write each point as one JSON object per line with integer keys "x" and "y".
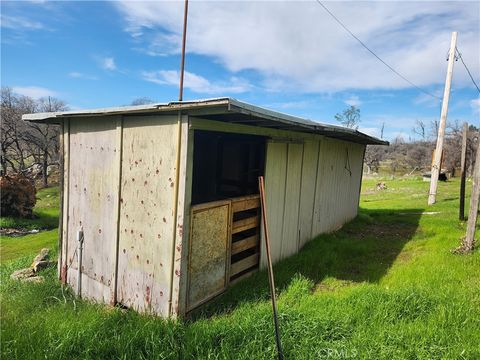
{"x": 420, "y": 129}
{"x": 14, "y": 151}
{"x": 22, "y": 143}
{"x": 349, "y": 118}
{"x": 43, "y": 138}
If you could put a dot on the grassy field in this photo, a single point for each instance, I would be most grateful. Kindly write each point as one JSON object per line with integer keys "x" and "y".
{"x": 45, "y": 218}
{"x": 386, "y": 286}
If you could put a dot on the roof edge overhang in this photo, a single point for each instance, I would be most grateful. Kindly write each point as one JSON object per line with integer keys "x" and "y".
{"x": 219, "y": 106}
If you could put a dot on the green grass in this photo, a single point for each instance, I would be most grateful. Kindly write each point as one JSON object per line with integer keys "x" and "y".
{"x": 386, "y": 286}
{"x": 45, "y": 218}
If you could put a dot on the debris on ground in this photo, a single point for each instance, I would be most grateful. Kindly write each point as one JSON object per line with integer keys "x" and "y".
{"x": 41, "y": 261}
{"x": 12, "y": 232}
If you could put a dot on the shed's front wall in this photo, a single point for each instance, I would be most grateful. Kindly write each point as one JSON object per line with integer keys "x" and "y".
{"x": 120, "y": 189}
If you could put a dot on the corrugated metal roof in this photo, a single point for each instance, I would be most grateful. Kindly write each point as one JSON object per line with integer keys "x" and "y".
{"x": 221, "y": 109}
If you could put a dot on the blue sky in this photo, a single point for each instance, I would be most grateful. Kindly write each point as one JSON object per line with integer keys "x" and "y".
{"x": 287, "y": 56}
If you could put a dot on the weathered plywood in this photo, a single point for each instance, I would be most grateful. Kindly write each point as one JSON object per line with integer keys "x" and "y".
{"x": 337, "y": 188}
{"x": 187, "y": 199}
{"x": 147, "y": 213}
{"x": 65, "y": 197}
{"x": 92, "y": 201}
{"x": 292, "y": 200}
{"x": 209, "y": 244}
{"x": 183, "y": 196}
{"x": 275, "y": 182}
{"x": 307, "y": 196}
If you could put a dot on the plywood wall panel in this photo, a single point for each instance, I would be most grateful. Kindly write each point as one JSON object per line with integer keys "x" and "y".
{"x": 92, "y": 203}
{"x": 292, "y": 200}
{"x": 307, "y": 196}
{"x": 275, "y": 182}
{"x": 147, "y": 213}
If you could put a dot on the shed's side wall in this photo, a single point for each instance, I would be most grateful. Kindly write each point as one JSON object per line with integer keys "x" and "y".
{"x": 146, "y": 234}
{"x": 92, "y": 188}
{"x": 338, "y": 184}
{"x": 311, "y": 188}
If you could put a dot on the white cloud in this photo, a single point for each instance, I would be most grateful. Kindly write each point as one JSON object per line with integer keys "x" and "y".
{"x": 475, "y": 105}
{"x": 353, "y": 101}
{"x": 33, "y": 91}
{"x": 79, "y": 75}
{"x": 296, "y": 45}
{"x": 196, "y": 83}
{"x": 19, "y": 23}
{"x": 108, "y": 63}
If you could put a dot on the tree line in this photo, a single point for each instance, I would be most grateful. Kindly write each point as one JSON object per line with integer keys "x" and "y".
{"x": 25, "y": 145}
{"x": 416, "y": 155}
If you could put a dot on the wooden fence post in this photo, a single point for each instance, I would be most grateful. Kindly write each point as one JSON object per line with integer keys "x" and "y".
{"x": 469, "y": 241}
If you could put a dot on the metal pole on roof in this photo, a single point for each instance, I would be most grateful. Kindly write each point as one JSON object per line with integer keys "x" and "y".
{"x": 184, "y": 41}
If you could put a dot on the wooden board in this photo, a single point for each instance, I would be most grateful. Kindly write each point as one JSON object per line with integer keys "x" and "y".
{"x": 179, "y": 257}
{"x": 275, "y": 181}
{"x": 209, "y": 251}
{"x": 245, "y": 224}
{"x": 244, "y": 264}
{"x": 245, "y": 244}
{"x": 307, "y": 196}
{"x": 292, "y": 200}
{"x": 92, "y": 201}
{"x": 245, "y": 203}
{"x": 146, "y": 242}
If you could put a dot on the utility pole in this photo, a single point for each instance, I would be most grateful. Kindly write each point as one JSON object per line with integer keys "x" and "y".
{"x": 469, "y": 241}
{"x": 184, "y": 41}
{"x": 443, "y": 120}
{"x": 461, "y": 214}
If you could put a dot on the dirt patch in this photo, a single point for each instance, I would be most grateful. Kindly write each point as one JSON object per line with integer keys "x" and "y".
{"x": 384, "y": 231}
{"x": 339, "y": 284}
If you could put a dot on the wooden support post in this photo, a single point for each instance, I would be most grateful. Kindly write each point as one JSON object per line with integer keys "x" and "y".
{"x": 432, "y": 196}
{"x": 469, "y": 241}
{"x": 461, "y": 214}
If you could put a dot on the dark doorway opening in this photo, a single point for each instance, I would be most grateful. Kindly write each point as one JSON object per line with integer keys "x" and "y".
{"x": 226, "y": 165}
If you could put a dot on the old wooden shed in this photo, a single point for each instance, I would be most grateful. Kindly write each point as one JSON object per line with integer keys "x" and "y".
{"x": 167, "y": 198}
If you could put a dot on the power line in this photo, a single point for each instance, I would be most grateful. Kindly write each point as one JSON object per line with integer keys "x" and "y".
{"x": 466, "y": 68}
{"x": 373, "y": 53}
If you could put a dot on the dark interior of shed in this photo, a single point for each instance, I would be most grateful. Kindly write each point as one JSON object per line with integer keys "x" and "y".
{"x": 226, "y": 165}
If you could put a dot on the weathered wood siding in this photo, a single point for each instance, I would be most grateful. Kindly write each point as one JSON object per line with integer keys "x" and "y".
{"x": 311, "y": 150}
{"x": 93, "y": 163}
{"x": 311, "y": 188}
{"x": 338, "y": 184}
{"x": 147, "y": 213}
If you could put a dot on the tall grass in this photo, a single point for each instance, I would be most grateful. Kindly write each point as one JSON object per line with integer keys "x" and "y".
{"x": 386, "y": 286}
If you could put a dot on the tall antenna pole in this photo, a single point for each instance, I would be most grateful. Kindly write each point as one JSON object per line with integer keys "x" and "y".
{"x": 184, "y": 41}
{"x": 437, "y": 159}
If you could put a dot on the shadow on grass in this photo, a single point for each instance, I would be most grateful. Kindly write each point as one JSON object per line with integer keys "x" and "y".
{"x": 362, "y": 251}
{"x": 44, "y": 219}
